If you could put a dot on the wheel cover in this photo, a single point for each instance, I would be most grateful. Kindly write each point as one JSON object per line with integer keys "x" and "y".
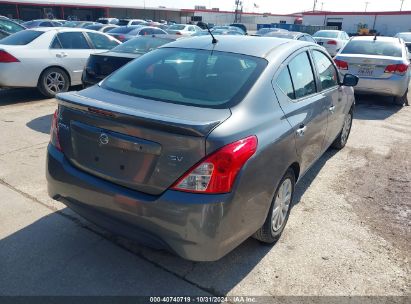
{"x": 55, "y": 82}
{"x": 346, "y": 128}
{"x": 281, "y": 205}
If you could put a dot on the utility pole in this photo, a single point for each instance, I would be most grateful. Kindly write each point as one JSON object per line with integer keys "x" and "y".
{"x": 238, "y": 11}
{"x": 315, "y": 4}
{"x": 366, "y": 5}
{"x": 322, "y": 5}
{"x": 402, "y": 3}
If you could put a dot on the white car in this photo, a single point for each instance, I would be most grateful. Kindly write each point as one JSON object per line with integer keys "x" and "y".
{"x": 184, "y": 29}
{"x": 51, "y": 59}
{"x": 331, "y": 40}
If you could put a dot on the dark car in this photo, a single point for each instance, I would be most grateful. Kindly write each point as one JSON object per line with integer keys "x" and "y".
{"x": 8, "y": 27}
{"x": 101, "y": 27}
{"x": 125, "y": 33}
{"x": 100, "y": 65}
{"x": 42, "y": 23}
{"x": 198, "y": 145}
{"x": 291, "y": 35}
{"x": 240, "y": 26}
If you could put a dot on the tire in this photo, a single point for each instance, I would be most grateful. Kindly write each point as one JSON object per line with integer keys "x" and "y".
{"x": 401, "y": 101}
{"x": 342, "y": 138}
{"x": 269, "y": 233}
{"x": 53, "y": 81}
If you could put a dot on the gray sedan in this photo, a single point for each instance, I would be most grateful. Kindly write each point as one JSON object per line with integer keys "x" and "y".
{"x": 381, "y": 63}
{"x": 198, "y": 145}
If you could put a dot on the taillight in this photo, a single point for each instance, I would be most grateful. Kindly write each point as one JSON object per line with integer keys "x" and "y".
{"x": 121, "y": 37}
{"x": 397, "y": 69}
{"x": 332, "y": 42}
{"x": 217, "y": 172}
{"x": 342, "y": 65}
{"x": 178, "y": 33}
{"x": 54, "y": 131}
{"x": 7, "y": 58}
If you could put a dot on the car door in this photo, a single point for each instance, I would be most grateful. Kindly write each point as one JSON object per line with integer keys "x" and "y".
{"x": 303, "y": 106}
{"x": 328, "y": 79}
{"x": 71, "y": 51}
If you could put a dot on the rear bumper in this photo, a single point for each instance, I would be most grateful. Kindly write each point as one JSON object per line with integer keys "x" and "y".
{"x": 194, "y": 226}
{"x": 394, "y": 86}
{"x": 88, "y": 80}
{"x": 17, "y": 75}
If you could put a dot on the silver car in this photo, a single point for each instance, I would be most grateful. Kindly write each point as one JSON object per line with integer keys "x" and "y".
{"x": 51, "y": 59}
{"x": 197, "y": 146}
{"x": 381, "y": 63}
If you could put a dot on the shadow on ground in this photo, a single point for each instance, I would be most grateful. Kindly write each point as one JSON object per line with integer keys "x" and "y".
{"x": 14, "y": 96}
{"x": 372, "y": 107}
{"x": 41, "y": 124}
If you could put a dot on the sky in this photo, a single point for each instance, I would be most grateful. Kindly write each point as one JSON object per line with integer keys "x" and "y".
{"x": 273, "y": 6}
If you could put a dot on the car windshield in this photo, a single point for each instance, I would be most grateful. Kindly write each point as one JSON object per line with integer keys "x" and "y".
{"x": 123, "y": 22}
{"x": 325, "y": 34}
{"x": 405, "y": 36}
{"x": 121, "y": 30}
{"x": 10, "y": 27}
{"x": 140, "y": 45}
{"x": 381, "y": 48}
{"x": 177, "y": 27}
{"x": 21, "y": 38}
{"x": 189, "y": 77}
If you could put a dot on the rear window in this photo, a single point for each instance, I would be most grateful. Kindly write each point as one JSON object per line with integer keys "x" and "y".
{"x": 177, "y": 27}
{"x": 10, "y": 27}
{"x": 382, "y": 48}
{"x": 123, "y": 22}
{"x": 121, "y": 30}
{"x": 21, "y": 38}
{"x": 326, "y": 34}
{"x": 140, "y": 45}
{"x": 189, "y": 77}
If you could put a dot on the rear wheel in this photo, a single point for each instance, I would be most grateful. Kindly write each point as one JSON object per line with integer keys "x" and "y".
{"x": 342, "y": 138}
{"x": 279, "y": 211}
{"x": 53, "y": 81}
{"x": 401, "y": 101}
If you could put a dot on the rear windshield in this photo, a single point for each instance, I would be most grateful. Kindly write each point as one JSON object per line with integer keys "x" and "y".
{"x": 123, "y": 22}
{"x": 10, "y": 27}
{"x": 177, "y": 27}
{"x": 103, "y": 21}
{"x": 21, "y": 38}
{"x": 121, "y": 30}
{"x": 382, "y": 48}
{"x": 326, "y": 34}
{"x": 140, "y": 45}
{"x": 189, "y": 77}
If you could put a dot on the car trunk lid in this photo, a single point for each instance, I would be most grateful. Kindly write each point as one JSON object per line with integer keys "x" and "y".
{"x": 101, "y": 65}
{"x": 140, "y": 144}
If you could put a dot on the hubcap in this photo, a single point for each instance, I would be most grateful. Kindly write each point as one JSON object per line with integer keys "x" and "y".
{"x": 281, "y": 205}
{"x": 55, "y": 82}
{"x": 346, "y": 128}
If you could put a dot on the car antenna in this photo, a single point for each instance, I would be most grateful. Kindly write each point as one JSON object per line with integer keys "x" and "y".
{"x": 214, "y": 41}
{"x": 375, "y": 37}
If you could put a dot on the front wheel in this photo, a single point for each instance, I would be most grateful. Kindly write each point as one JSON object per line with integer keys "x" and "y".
{"x": 279, "y": 211}
{"x": 342, "y": 138}
{"x": 53, "y": 81}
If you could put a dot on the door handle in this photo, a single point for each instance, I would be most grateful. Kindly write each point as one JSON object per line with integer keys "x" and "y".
{"x": 332, "y": 109}
{"x": 301, "y": 130}
{"x": 61, "y": 55}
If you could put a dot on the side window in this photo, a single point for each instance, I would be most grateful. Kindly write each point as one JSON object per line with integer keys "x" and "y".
{"x": 146, "y": 32}
{"x": 191, "y": 29}
{"x": 285, "y": 84}
{"x": 326, "y": 70}
{"x": 310, "y": 39}
{"x": 108, "y": 28}
{"x": 101, "y": 42}
{"x": 302, "y": 75}
{"x": 302, "y": 38}
{"x": 73, "y": 40}
{"x": 158, "y": 32}
{"x": 55, "y": 44}
{"x": 46, "y": 24}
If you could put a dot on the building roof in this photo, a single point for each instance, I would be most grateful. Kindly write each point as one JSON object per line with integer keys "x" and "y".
{"x": 381, "y": 13}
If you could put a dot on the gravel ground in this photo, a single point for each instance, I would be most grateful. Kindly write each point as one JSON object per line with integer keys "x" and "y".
{"x": 348, "y": 232}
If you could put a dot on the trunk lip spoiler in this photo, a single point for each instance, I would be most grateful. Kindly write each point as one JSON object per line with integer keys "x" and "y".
{"x": 159, "y": 121}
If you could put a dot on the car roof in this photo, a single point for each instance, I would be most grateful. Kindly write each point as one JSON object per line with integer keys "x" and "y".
{"x": 246, "y": 45}
{"x": 379, "y": 38}
{"x": 60, "y": 29}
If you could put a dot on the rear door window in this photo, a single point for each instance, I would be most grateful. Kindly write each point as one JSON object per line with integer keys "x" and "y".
{"x": 302, "y": 75}
{"x": 146, "y": 31}
{"x": 21, "y": 38}
{"x": 285, "y": 83}
{"x": 73, "y": 40}
{"x": 326, "y": 70}
{"x": 102, "y": 42}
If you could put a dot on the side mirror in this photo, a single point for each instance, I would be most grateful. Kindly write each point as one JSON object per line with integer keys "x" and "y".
{"x": 350, "y": 80}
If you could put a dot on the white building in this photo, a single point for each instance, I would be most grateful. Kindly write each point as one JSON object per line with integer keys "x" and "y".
{"x": 385, "y": 23}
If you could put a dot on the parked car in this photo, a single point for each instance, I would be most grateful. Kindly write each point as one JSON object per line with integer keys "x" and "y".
{"x": 204, "y": 25}
{"x": 183, "y": 29}
{"x": 107, "y": 20}
{"x": 240, "y": 26}
{"x": 128, "y": 22}
{"x": 406, "y": 36}
{"x": 332, "y": 40}
{"x": 265, "y": 30}
{"x": 381, "y": 63}
{"x": 8, "y": 27}
{"x": 41, "y": 23}
{"x": 197, "y": 146}
{"x": 228, "y": 28}
{"x": 125, "y": 33}
{"x": 50, "y": 59}
{"x": 291, "y": 35}
{"x": 104, "y": 28}
{"x": 217, "y": 32}
{"x": 79, "y": 24}
{"x": 100, "y": 65}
